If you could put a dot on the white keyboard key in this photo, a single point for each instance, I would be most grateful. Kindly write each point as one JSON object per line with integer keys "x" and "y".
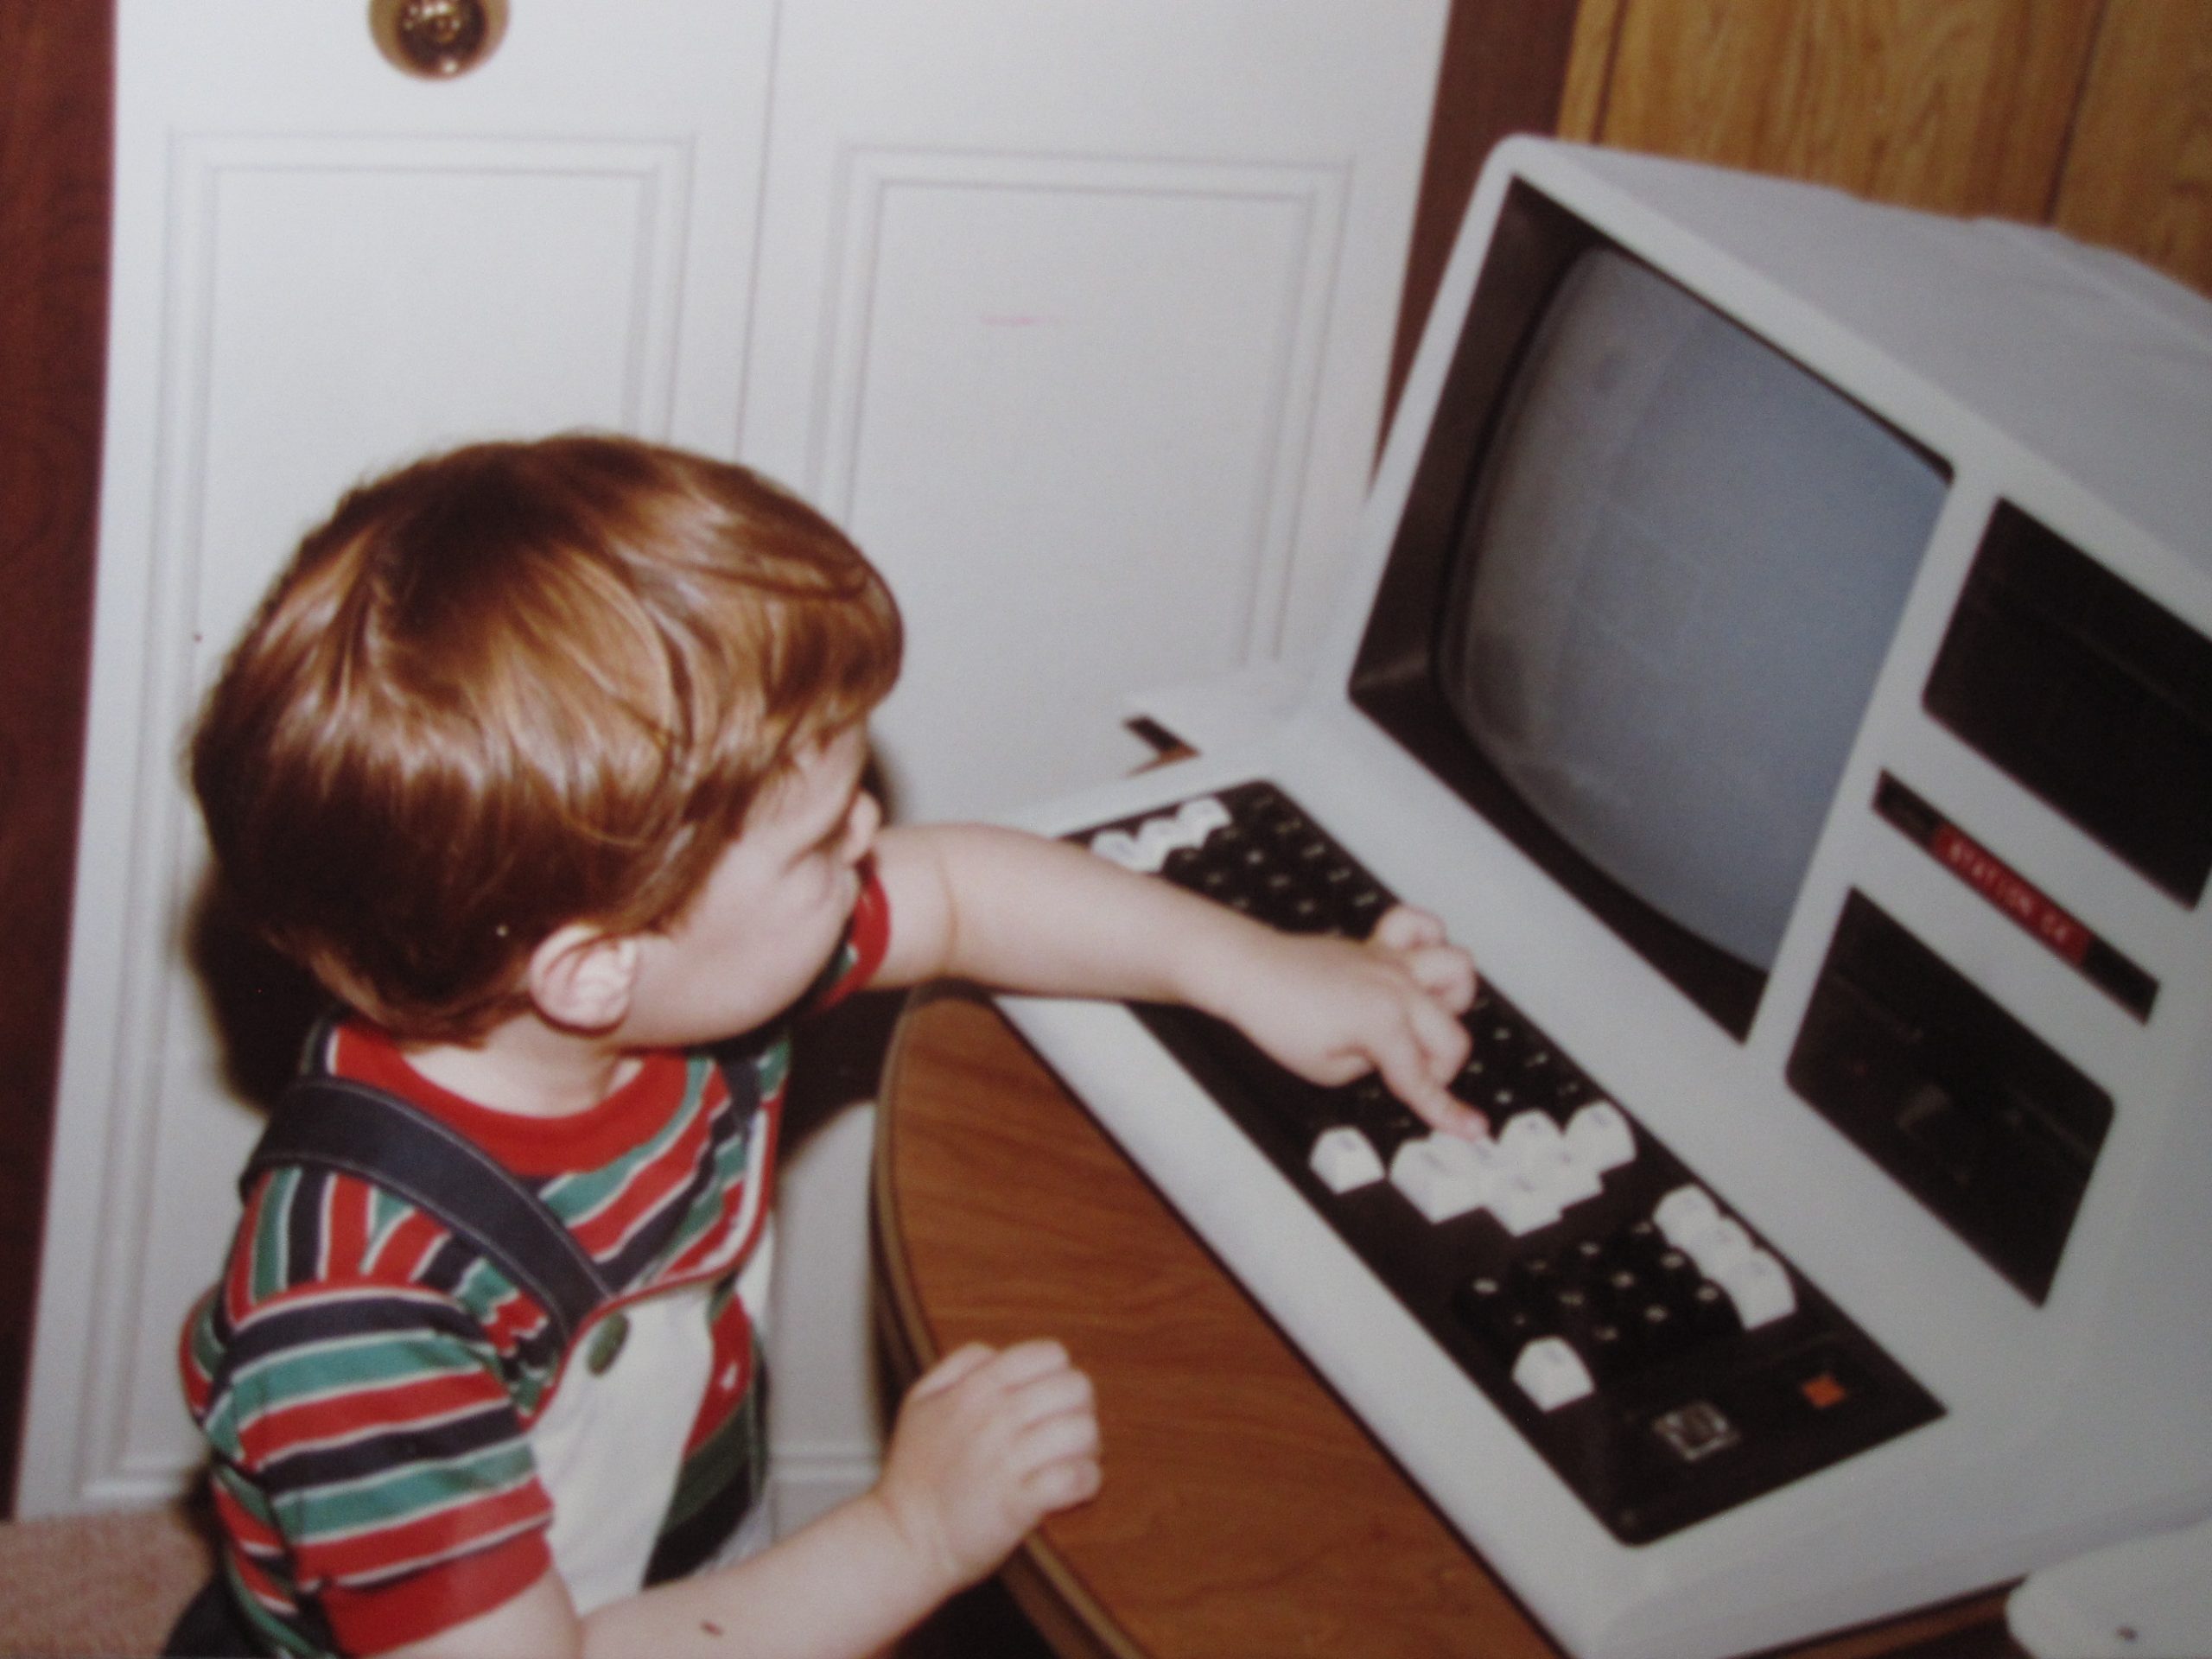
{"x": 1759, "y": 1286}
{"x": 1528, "y": 1138}
{"x": 1146, "y": 850}
{"x": 1345, "y": 1159}
{"x": 1684, "y": 1210}
{"x": 1119, "y": 847}
{"x": 1521, "y": 1205}
{"x": 1717, "y": 1247}
{"x": 1563, "y": 1178}
{"x": 1201, "y": 817}
{"x": 1600, "y": 1136}
{"x": 1551, "y": 1373}
{"x": 1457, "y": 1154}
{"x": 1156, "y": 838}
{"x": 1535, "y": 1148}
{"x": 1443, "y": 1176}
{"x": 1570, "y": 1181}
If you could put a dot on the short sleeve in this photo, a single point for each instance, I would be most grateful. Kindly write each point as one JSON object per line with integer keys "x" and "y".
{"x": 378, "y": 1619}
{"x": 370, "y": 1461}
{"x": 868, "y": 939}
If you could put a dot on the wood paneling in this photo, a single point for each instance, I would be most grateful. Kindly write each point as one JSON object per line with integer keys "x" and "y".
{"x": 54, "y": 99}
{"x": 2092, "y": 114}
{"x": 1961, "y": 105}
{"x": 1589, "y": 68}
{"x": 1503, "y": 62}
{"x": 2138, "y": 176}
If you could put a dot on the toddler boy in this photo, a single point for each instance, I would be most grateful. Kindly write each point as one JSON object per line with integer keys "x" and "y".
{"x": 546, "y": 760}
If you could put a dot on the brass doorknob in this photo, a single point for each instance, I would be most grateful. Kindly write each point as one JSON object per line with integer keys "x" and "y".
{"x": 437, "y": 39}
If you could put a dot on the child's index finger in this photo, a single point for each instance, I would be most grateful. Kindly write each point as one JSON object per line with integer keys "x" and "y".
{"x": 1405, "y": 1071}
{"x": 1447, "y": 1111}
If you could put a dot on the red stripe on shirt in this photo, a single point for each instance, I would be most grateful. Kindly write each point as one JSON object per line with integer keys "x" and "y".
{"x": 241, "y": 1524}
{"x": 647, "y": 1190}
{"x": 285, "y": 1429}
{"x": 868, "y": 936}
{"x": 377, "y": 1620}
{"x": 345, "y": 1228}
{"x": 527, "y": 1144}
{"x": 237, "y": 1283}
{"x": 427, "y": 1539}
{"x": 516, "y": 1319}
{"x": 406, "y": 1249}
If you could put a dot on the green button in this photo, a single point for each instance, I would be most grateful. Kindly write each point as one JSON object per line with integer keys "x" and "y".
{"x": 606, "y": 1344}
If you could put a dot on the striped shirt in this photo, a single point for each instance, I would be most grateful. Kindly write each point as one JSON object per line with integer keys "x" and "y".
{"x": 366, "y": 1381}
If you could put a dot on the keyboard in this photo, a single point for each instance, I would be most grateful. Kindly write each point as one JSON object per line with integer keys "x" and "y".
{"x": 1667, "y": 1361}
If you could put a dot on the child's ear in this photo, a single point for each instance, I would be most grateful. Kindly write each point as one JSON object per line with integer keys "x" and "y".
{"x": 582, "y": 978}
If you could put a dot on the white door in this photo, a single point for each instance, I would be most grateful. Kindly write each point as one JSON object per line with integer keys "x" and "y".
{"x": 323, "y": 265}
{"x": 1076, "y": 312}
{"x": 1084, "y": 310}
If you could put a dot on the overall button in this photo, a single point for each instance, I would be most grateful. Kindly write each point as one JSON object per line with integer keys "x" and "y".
{"x": 606, "y": 1344}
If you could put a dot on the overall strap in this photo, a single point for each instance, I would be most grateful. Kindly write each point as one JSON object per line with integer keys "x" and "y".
{"x": 327, "y": 1122}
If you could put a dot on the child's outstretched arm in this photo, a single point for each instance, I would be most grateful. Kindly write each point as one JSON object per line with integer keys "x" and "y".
{"x": 1022, "y": 913}
{"x": 987, "y": 1444}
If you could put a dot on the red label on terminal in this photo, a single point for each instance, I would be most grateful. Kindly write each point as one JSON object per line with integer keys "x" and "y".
{"x": 1997, "y": 882}
{"x": 1823, "y": 1391}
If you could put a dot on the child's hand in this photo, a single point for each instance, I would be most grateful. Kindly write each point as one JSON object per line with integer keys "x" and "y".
{"x": 1332, "y": 1010}
{"x": 987, "y": 1443}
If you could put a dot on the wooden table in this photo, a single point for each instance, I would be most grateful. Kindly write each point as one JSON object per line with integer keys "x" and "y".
{"x": 1246, "y": 1515}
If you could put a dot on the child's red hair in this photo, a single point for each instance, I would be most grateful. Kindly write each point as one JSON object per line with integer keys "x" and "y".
{"x": 520, "y": 685}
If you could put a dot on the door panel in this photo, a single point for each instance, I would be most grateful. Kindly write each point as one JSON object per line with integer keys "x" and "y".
{"x": 1031, "y": 427}
{"x": 423, "y": 250}
{"x": 1088, "y": 311}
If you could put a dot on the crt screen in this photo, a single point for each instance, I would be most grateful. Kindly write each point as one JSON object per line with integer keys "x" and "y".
{"x": 1676, "y": 584}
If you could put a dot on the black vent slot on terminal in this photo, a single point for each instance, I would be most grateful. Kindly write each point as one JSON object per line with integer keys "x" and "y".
{"x": 1964, "y": 1107}
{"x": 2095, "y": 698}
